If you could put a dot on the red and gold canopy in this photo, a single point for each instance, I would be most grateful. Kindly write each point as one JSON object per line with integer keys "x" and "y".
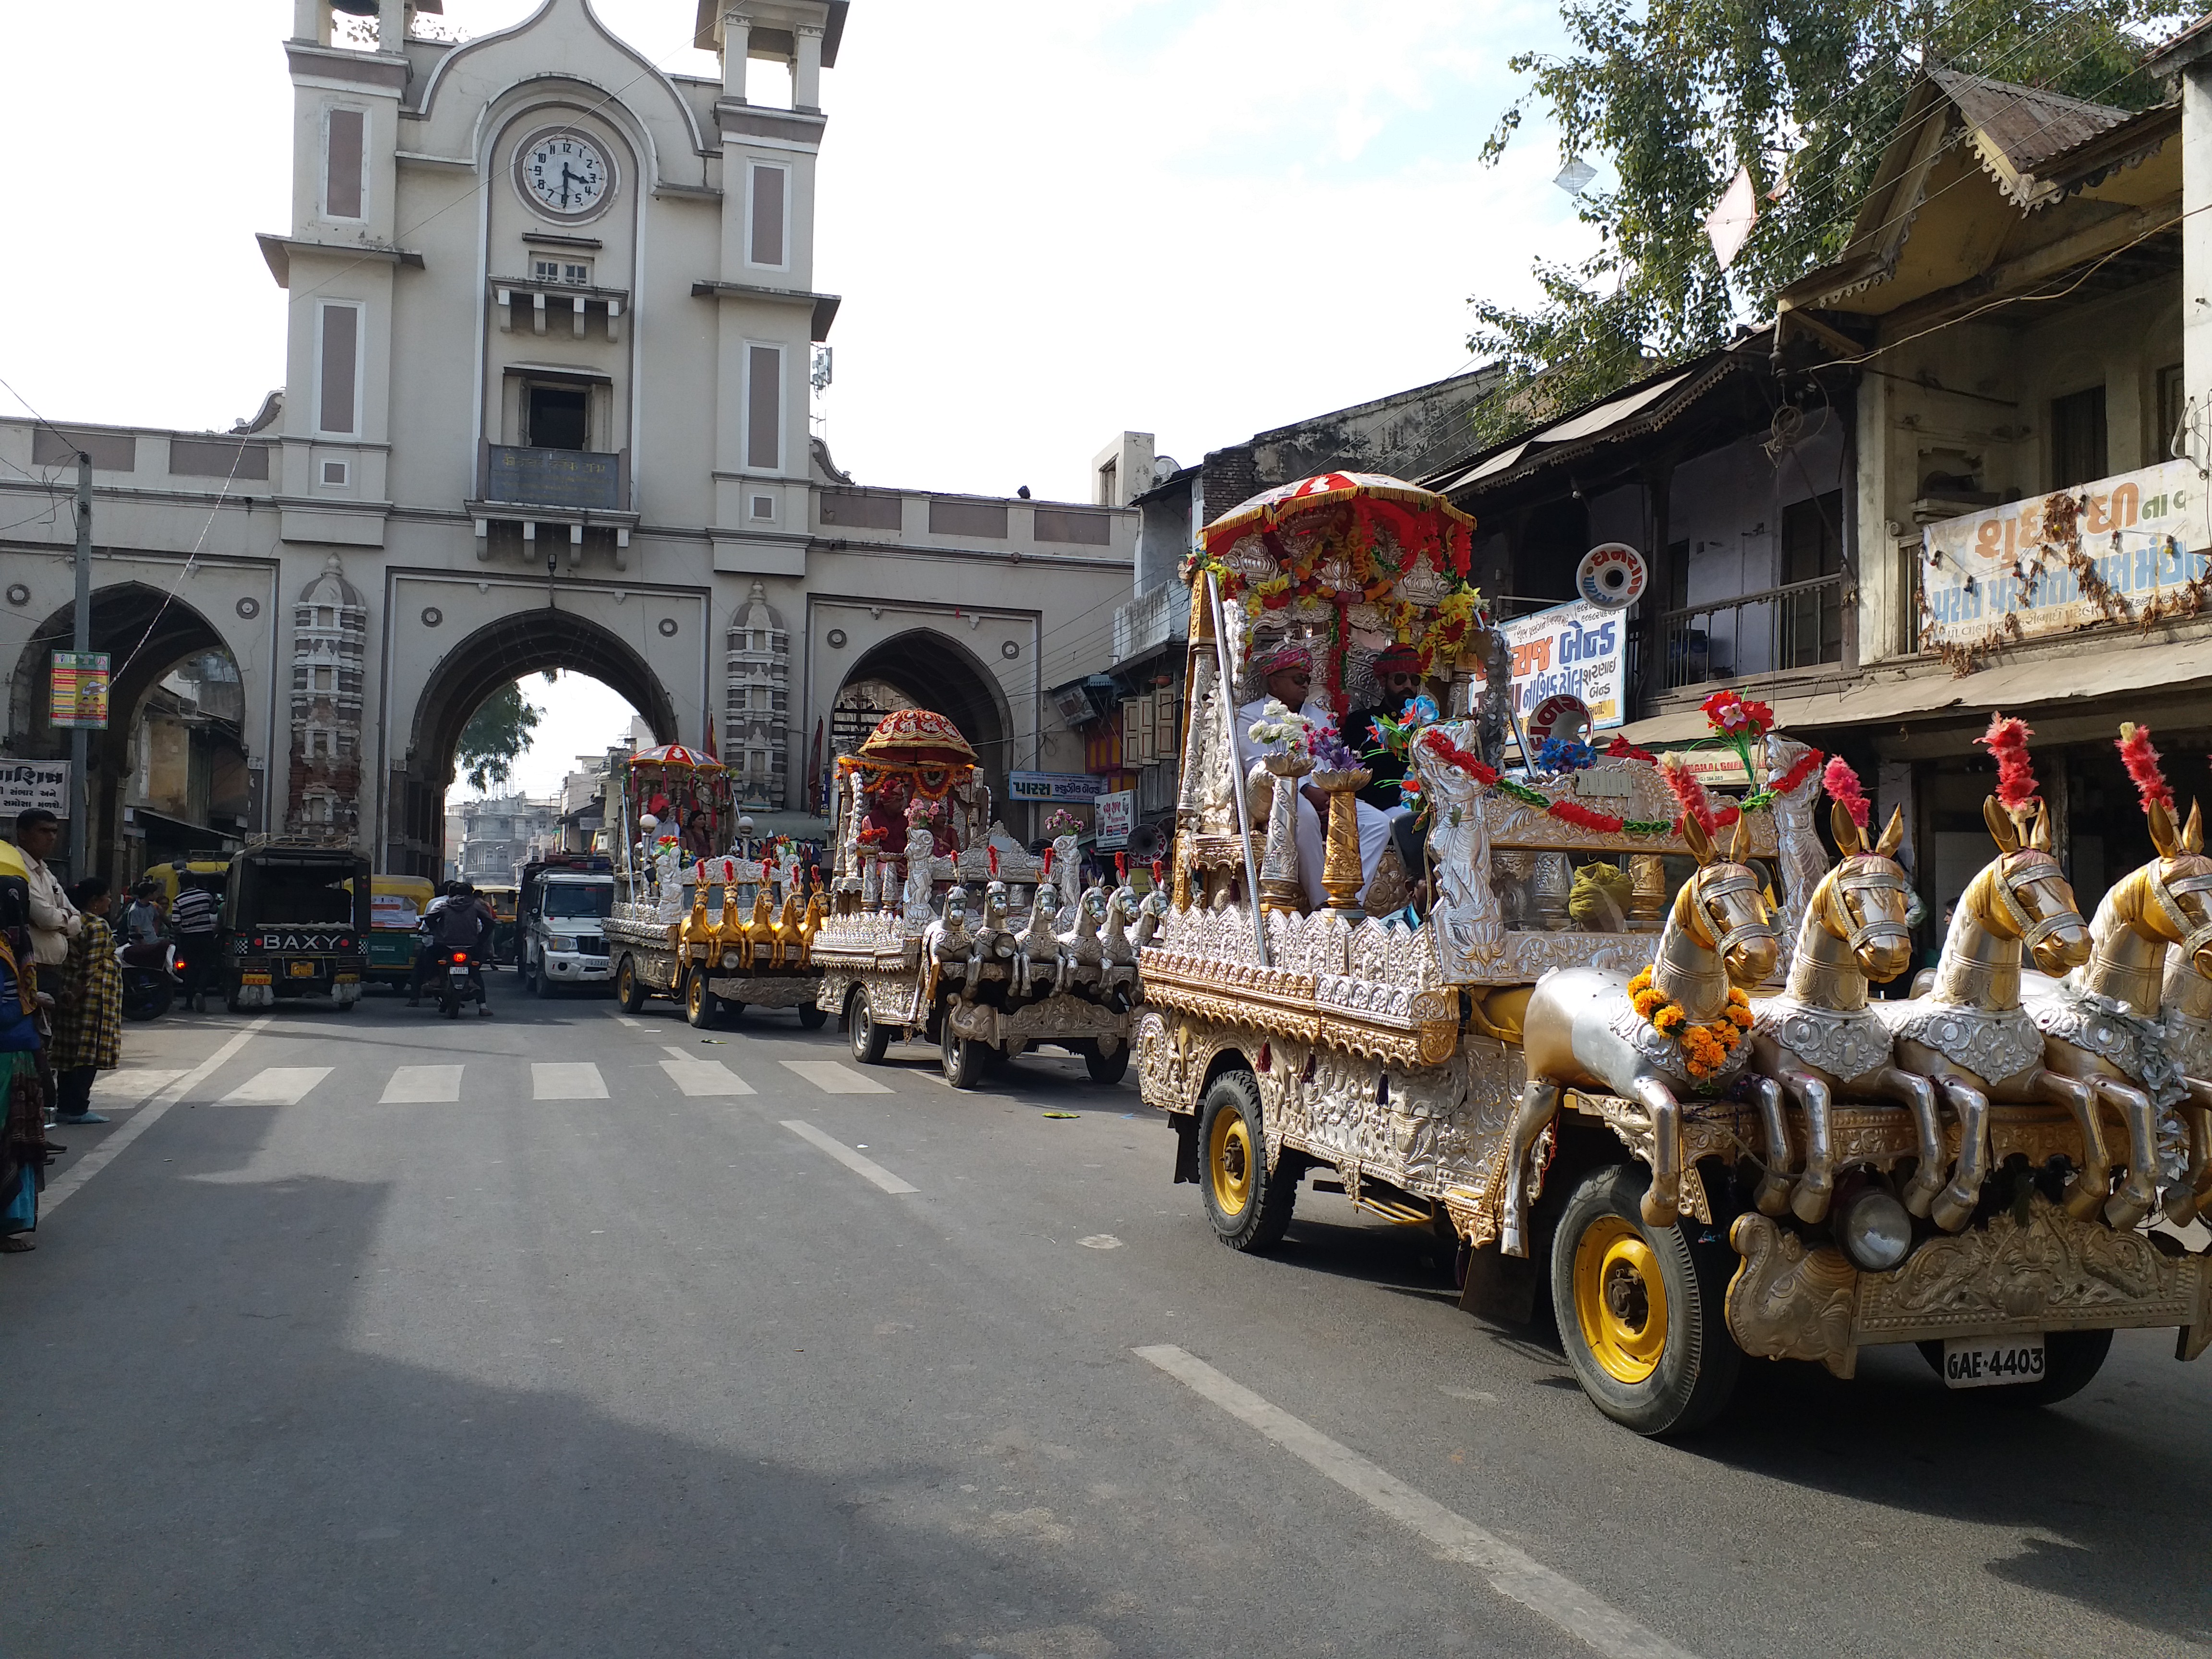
{"x": 674, "y": 756}
{"x": 917, "y": 737}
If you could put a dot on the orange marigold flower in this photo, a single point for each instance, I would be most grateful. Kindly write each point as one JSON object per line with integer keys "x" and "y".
{"x": 1741, "y": 1016}
{"x": 1647, "y": 1003}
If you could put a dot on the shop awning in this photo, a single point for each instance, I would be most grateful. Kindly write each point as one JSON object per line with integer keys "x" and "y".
{"x": 2016, "y": 688}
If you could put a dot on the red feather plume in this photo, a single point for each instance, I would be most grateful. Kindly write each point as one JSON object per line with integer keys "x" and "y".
{"x": 1690, "y": 793}
{"x": 2142, "y": 761}
{"x": 1843, "y": 787}
{"x": 2007, "y": 740}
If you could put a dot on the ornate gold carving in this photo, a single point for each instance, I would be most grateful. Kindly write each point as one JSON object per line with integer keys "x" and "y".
{"x": 1715, "y": 1131}
{"x": 1647, "y": 892}
{"x": 1787, "y": 1302}
{"x": 1342, "y": 873}
{"x": 764, "y": 991}
{"x": 2050, "y": 1273}
{"x": 1548, "y": 892}
{"x": 1049, "y": 1020}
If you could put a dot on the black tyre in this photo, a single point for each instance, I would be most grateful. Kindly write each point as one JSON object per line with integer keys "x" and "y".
{"x": 629, "y": 989}
{"x": 1106, "y": 1068}
{"x": 811, "y": 1017}
{"x": 1249, "y": 1208}
{"x": 541, "y": 982}
{"x": 871, "y": 1042}
{"x": 2071, "y": 1360}
{"x": 1640, "y": 1309}
{"x": 965, "y": 1064}
{"x": 700, "y": 1005}
{"x": 146, "y": 997}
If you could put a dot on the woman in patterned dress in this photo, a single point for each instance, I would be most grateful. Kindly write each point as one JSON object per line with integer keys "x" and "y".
{"x": 88, "y": 1023}
{"x": 23, "y": 1149}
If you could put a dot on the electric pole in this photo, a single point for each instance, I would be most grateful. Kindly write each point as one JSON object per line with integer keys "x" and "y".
{"x": 80, "y": 739}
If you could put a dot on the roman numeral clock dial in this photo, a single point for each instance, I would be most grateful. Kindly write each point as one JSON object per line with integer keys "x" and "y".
{"x": 564, "y": 175}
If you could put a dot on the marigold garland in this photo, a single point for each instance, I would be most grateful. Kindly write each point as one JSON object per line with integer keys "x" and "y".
{"x": 1604, "y": 824}
{"x": 1705, "y": 1048}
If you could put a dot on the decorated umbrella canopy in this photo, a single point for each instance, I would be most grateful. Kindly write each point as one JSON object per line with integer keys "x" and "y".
{"x": 1365, "y": 559}
{"x": 675, "y": 758}
{"x": 917, "y": 737}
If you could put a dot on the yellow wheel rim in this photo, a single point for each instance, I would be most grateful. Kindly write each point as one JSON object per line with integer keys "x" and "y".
{"x": 695, "y": 998}
{"x": 1229, "y": 1158}
{"x": 1621, "y": 1300}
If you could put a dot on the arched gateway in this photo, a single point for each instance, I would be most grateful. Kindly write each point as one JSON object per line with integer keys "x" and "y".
{"x": 523, "y": 427}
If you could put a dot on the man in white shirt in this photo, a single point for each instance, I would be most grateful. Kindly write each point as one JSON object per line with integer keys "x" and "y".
{"x": 1288, "y": 670}
{"x": 54, "y": 920}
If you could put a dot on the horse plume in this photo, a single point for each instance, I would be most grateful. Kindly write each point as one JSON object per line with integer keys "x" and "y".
{"x": 2007, "y": 740}
{"x": 2142, "y": 764}
{"x": 1691, "y": 795}
{"x": 1843, "y": 787}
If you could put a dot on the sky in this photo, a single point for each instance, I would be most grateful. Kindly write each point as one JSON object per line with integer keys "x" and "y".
{"x": 1050, "y": 222}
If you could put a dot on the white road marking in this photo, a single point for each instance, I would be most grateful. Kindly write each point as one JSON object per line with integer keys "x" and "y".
{"x": 1517, "y": 1577}
{"x": 865, "y": 1166}
{"x": 128, "y": 1088}
{"x": 92, "y": 1163}
{"x": 633, "y": 1025}
{"x": 415, "y": 1086}
{"x": 697, "y": 1078}
{"x": 835, "y": 1079}
{"x": 565, "y": 1080}
{"x": 277, "y": 1085}
{"x": 1100, "y": 1241}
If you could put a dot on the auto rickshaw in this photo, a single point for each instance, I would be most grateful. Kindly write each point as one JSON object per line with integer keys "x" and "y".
{"x": 506, "y": 941}
{"x": 295, "y": 923}
{"x": 396, "y": 904}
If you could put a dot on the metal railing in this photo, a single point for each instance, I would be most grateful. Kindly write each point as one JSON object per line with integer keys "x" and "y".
{"x": 1798, "y": 625}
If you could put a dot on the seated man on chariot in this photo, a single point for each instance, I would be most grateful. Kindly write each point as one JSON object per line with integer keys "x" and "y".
{"x": 1287, "y": 669}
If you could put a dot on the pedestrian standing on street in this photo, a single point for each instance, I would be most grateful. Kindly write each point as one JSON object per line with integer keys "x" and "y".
{"x": 142, "y": 921}
{"x": 24, "y": 1148}
{"x": 54, "y": 920}
{"x": 193, "y": 918}
{"x": 88, "y": 1019}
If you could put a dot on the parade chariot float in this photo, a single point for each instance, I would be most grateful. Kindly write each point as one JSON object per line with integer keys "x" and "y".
{"x": 946, "y": 927}
{"x": 719, "y": 931}
{"x": 1620, "y": 1049}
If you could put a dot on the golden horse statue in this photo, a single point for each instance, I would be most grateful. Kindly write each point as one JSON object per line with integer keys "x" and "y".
{"x": 2104, "y": 1023}
{"x": 1584, "y": 1028}
{"x": 1819, "y": 1040}
{"x": 1970, "y": 1036}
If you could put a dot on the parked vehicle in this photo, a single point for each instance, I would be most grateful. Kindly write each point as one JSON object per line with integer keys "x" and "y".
{"x": 294, "y": 924}
{"x": 396, "y": 904}
{"x": 150, "y": 978}
{"x": 718, "y": 934}
{"x": 1578, "y": 1059}
{"x": 562, "y": 913}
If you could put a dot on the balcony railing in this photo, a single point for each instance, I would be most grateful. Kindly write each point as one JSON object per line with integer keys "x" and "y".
{"x": 1799, "y": 625}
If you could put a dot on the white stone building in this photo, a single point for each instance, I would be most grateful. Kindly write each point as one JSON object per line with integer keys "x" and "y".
{"x": 551, "y": 313}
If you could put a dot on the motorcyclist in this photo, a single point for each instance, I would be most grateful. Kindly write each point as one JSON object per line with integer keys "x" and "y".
{"x": 464, "y": 922}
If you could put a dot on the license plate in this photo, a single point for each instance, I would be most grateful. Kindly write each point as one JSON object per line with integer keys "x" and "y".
{"x": 1985, "y": 1362}
{"x": 253, "y": 979}
{"x": 456, "y": 973}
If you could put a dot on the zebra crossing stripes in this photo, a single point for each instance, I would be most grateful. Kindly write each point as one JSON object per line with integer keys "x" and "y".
{"x": 418, "y": 1085}
{"x": 694, "y": 1078}
{"x": 565, "y": 1080}
{"x": 277, "y": 1085}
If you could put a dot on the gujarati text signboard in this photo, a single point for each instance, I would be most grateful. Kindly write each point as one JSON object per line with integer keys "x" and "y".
{"x": 2005, "y": 570}
{"x": 1116, "y": 815}
{"x": 24, "y": 784}
{"x": 1575, "y": 650}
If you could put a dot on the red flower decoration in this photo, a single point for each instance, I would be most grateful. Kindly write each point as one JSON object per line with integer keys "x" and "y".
{"x": 1621, "y": 749}
{"x": 1732, "y": 716}
{"x": 1690, "y": 793}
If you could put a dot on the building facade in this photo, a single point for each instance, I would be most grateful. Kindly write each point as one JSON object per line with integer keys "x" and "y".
{"x": 550, "y": 319}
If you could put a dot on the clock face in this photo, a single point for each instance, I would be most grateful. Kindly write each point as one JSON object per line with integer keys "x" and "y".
{"x": 562, "y": 174}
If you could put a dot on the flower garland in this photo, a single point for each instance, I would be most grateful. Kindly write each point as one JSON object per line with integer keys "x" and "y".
{"x": 1604, "y": 824}
{"x": 1705, "y": 1048}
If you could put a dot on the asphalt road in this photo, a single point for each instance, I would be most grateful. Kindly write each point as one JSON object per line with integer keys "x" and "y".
{"x": 562, "y": 1340}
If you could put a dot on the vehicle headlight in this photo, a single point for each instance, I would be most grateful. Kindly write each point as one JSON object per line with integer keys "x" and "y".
{"x": 564, "y": 941}
{"x": 1873, "y": 1230}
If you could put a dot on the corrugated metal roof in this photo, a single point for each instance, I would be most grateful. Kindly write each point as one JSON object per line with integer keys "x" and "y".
{"x": 2026, "y": 125}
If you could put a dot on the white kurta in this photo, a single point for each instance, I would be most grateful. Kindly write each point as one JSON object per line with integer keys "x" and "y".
{"x": 1313, "y": 845}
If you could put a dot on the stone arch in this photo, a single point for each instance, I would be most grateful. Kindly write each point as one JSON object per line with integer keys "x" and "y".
{"x": 146, "y": 633}
{"x": 937, "y": 671}
{"x": 494, "y": 655}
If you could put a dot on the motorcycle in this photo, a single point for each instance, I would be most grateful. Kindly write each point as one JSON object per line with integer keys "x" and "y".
{"x": 460, "y": 982}
{"x": 151, "y": 974}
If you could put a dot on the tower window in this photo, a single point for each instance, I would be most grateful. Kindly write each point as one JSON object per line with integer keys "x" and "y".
{"x": 764, "y": 407}
{"x": 764, "y": 507}
{"x": 767, "y": 235}
{"x": 334, "y": 472}
{"x": 338, "y": 364}
{"x": 342, "y": 159}
{"x": 560, "y": 417}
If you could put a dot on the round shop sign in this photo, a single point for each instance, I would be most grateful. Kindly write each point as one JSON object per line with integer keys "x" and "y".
{"x": 1563, "y": 717}
{"x": 249, "y": 608}
{"x": 668, "y": 627}
{"x": 18, "y": 594}
{"x": 432, "y": 615}
{"x": 1612, "y": 575}
{"x": 836, "y": 639}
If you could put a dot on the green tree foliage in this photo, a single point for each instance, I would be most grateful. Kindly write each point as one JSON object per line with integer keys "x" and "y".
{"x": 495, "y": 737}
{"x": 1676, "y": 94}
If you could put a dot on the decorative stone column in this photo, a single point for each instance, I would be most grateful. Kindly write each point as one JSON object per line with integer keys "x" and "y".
{"x": 807, "y": 67}
{"x": 736, "y": 41}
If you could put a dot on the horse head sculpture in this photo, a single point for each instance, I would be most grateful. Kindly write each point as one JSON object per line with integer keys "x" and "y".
{"x": 1819, "y": 1040}
{"x": 1677, "y": 1029}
